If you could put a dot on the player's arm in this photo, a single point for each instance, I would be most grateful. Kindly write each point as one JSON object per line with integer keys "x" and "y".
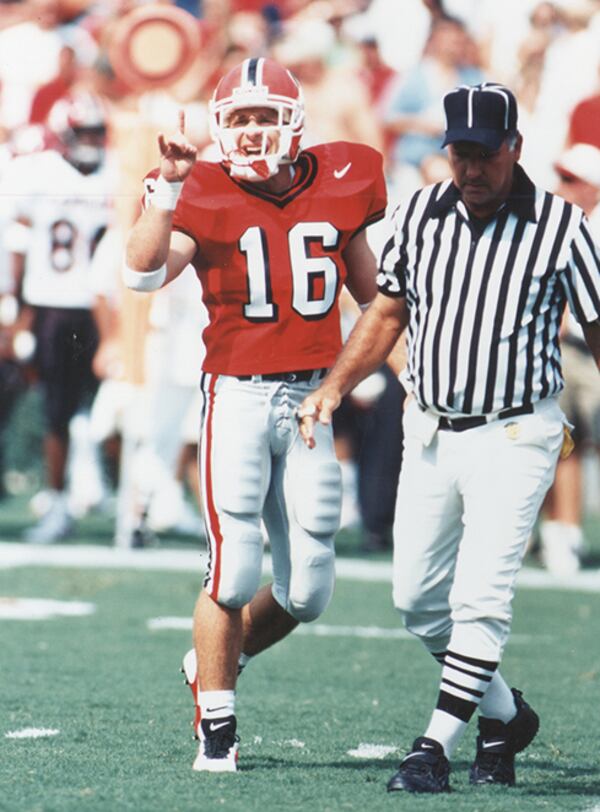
{"x": 361, "y": 268}
{"x": 591, "y": 331}
{"x": 154, "y": 249}
{"x": 155, "y": 254}
{"x": 369, "y": 344}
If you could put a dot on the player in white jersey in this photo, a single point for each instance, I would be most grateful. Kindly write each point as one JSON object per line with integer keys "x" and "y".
{"x": 61, "y": 203}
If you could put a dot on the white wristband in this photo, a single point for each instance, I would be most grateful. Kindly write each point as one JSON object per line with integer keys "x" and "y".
{"x": 9, "y": 309}
{"x": 24, "y": 345}
{"x": 145, "y": 281}
{"x": 165, "y": 194}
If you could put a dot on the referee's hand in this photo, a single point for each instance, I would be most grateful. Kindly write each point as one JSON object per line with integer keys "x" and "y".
{"x": 319, "y": 406}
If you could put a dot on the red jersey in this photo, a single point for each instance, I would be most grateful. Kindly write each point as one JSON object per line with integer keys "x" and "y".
{"x": 271, "y": 266}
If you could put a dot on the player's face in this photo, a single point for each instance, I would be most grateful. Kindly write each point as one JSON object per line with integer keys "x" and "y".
{"x": 483, "y": 176}
{"x": 258, "y": 129}
{"x": 86, "y": 151}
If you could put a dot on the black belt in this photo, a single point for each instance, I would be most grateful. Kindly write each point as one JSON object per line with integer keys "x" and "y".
{"x": 464, "y": 423}
{"x": 299, "y": 376}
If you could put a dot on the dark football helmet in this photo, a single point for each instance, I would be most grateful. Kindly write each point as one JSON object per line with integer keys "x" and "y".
{"x": 79, "y": 123}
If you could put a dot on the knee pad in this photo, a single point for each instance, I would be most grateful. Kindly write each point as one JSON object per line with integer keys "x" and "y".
{"x": 318, "y": 506}
{"x": 235, "y": 566}
{"x": 311, "y": 586}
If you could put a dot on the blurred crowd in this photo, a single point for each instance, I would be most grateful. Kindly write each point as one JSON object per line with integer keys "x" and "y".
{"x": 372, "y": 71}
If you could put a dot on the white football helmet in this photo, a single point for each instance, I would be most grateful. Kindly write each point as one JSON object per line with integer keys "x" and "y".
{"x": 79, "y": 122}
{"x": 257, "y": 83}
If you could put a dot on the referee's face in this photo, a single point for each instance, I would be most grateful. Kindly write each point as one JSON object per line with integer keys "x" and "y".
{"x": 483, "y": 176}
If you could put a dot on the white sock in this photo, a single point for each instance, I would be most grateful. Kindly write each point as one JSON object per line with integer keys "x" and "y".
{"x": 445, "y": 729}
{"x": 573, "y": 536}
{"x": 498, "y": 701}
{"x": 216, "y": 704}
{"x": 554, "y": 532}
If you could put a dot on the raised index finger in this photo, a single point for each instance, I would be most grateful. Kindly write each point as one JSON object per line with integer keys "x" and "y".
{"x": 182, "y": 121}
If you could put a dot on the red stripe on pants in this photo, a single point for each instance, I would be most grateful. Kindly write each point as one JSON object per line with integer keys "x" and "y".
{"x": 214, "y": 528}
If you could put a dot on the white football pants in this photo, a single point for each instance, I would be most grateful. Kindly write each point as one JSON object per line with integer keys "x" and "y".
{"x": 467, "y": 503}
{"x": 253, "y": 467}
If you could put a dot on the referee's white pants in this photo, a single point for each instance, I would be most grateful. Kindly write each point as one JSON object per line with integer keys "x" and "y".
{"x": 467, "y": 503}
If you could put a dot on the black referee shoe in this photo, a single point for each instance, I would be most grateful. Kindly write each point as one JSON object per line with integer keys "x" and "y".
{"x": 424, "y": 769}
{"x": 497, "y": 744}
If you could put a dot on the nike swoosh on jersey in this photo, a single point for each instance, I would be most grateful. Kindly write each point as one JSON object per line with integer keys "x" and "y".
{"x": 216, "y": 725}
{"x": 339, "y": 173}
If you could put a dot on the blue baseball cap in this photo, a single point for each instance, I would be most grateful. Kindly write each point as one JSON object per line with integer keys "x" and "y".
{"x": 485, "y": 114}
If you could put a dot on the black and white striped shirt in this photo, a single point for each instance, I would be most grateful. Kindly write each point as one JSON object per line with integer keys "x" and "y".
{"x": 486, "y": 304}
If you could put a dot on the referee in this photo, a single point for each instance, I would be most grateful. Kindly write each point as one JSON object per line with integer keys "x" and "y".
{"x": 479, "y": 268}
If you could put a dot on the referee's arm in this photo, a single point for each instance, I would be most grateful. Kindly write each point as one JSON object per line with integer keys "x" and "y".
{"x": 370, "y": 343}
{"x": 591, "y": 331}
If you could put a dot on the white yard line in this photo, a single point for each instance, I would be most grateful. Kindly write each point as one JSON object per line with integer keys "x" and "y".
{"x": 88, "y": 556}
{"x": 170, "y": 623}
{"x": 376, "y": 751}
{"x": 32, "y": 733}
{"x": 42, "y": 608}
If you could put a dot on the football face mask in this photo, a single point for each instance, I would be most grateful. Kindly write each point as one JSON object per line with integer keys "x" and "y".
{"x": 257, "y": 119}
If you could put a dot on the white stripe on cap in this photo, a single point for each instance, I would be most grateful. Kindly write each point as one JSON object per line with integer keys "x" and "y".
{"x": 470, "y": 106}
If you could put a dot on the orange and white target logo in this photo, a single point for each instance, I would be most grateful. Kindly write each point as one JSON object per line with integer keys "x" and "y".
{"x": 154, "y": 45}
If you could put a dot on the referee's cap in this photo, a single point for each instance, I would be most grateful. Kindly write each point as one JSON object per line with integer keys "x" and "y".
{"x": 485, "y": 114}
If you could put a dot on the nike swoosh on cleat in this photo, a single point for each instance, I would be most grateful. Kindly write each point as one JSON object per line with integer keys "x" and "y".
{"x": 339, "y": 173}
{"x": 413, "y": 755}
{"x": 486, "y": 745}
{"x": 216, "y": 725}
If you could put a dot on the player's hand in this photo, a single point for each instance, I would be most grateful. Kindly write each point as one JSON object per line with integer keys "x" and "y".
{"x": 319, "y": 406}
{"x": 178, "y": 155}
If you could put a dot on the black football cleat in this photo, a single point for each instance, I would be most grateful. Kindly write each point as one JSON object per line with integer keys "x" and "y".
{"x": 424, "y": 769}
{"x": 498, "y": 743}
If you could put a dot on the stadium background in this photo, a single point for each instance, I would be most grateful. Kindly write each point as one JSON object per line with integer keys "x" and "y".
{"x": 103, "y": 687}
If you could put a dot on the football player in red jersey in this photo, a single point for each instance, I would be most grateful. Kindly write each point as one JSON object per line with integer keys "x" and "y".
{"x": 274, "y": 232}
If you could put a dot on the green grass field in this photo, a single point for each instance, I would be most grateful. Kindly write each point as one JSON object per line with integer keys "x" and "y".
{"x": 313, "y": 713}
